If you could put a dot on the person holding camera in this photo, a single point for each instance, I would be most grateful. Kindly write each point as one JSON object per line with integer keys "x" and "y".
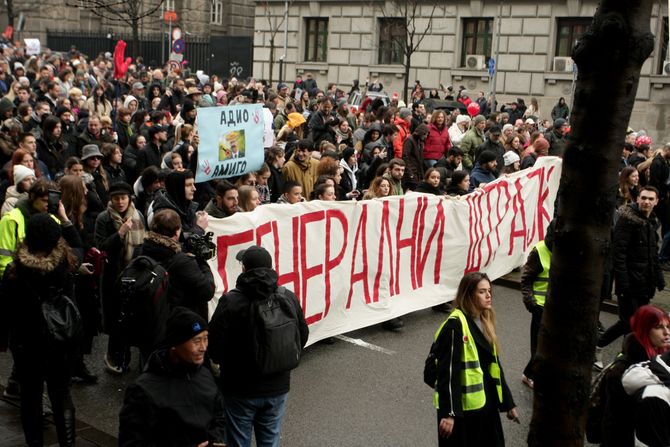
{"x": 321, "y": 123}
{"x": 191, "y": 282}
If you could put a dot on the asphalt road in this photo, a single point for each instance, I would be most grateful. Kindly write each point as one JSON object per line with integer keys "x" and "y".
{"x": 349, "y": 395}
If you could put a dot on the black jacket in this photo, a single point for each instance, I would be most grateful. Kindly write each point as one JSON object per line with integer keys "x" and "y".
{"x": 191, "y": 283}
{"x": 52, "y": 153}
{"x": 230, "y": 333}
{"x": 428, "y": 189}
{"x": 449, "y": 386}
{"x": 275, "y": 183}
{"x": 557, "y": 142}
{"x": 152, "y": 155}
{"x": 618, "y": 422}
{"x": 496, "y": 148}
{"x": 171, "y": 405}
{"x": 635, "y": 253}
{"x": 186, "y": 211}
{"x": 659, "y": 172}
{"x": 320, "y": 129}
{"x": 26, "y": 282}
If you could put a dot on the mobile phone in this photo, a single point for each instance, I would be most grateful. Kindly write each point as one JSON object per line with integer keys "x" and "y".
{"x": 54, "y": 200}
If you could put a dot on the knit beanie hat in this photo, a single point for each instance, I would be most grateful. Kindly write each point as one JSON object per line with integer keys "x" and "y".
{"x": 462, "y": 119}
{"x": 510, "y": 158}
{"x": 487, "y": 156}
{"x": 21, "y": 173}
{"x": 541, "y": 145}
{"x": 182, "y": 325}
{"x": 42, "y": 233}
{"x": 478, "y": 119}
{"x": 560, "y": 122}
{"x": 405, "y": 112}
{"x": 6, "y": 105}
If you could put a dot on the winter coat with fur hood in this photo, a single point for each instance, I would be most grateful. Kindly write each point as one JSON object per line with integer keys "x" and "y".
{"x": 28, "y": 281}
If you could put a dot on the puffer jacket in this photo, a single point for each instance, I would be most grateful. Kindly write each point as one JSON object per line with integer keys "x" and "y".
{"x": 472, "y": 139}
{"x": 634, "y": 253}
{"x": 437, "y": 144}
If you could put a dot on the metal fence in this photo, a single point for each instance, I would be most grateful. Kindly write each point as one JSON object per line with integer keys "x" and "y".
{"x": 197, "y": 53}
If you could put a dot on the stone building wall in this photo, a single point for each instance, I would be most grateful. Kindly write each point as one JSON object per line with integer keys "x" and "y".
{"x": 525, "y": 67}
{"x": 193, "y": 16}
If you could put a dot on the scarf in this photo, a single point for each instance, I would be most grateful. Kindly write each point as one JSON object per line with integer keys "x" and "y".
{"x": 135, "y": 236}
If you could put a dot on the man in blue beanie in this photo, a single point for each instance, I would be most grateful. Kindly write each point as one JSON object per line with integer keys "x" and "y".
{"x": 175, "y": 401}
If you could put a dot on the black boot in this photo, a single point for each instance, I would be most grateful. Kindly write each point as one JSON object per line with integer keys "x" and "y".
{"x": 82, "y": 374}
{"x": 65, "y": 427}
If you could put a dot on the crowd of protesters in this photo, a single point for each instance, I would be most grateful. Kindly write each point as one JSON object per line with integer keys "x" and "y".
{"x": 119, "y": 153}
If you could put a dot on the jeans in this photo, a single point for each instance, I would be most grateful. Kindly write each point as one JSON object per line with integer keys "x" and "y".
{"x": 262, "y": 414}
{"x": 429, "y": 163}
{"x": 664, "y": 255}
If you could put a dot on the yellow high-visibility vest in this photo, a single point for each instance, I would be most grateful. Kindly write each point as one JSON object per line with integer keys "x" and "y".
{"x": 541, "y": 283}
{"x": 473, "y": 394}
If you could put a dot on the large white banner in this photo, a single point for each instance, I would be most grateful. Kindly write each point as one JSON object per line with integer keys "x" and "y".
{"x": 355, "y": 264}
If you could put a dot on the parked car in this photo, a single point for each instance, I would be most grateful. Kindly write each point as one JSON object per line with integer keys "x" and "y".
{"x": 356, "y": 99}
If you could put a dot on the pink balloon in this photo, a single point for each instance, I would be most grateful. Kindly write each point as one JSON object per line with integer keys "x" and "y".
{"x": 473, "y": 109}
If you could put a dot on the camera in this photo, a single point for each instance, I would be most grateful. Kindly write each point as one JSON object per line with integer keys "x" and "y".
{"x": 202, "y": 247}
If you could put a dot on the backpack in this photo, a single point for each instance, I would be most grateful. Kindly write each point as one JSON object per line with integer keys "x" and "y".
{"x": 596, "y": 409}
{"x": 275, "y": 333}
{"x": 62, "y": 318}
{"x": 430, "y": 367}
{"x": 142, "y": 288}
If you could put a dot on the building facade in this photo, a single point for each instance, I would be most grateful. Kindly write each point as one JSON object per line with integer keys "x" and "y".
{"x": 342, "y": 41}
{"x": 202, "y": 18}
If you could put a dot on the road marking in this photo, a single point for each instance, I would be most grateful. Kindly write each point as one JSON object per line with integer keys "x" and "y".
{"x": 364, "y": 344}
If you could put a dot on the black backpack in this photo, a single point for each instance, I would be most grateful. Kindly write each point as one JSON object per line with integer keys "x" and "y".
{"x": 430, "y": 367}
{"x": 142, "y": 288}
{"x": 275, "y": 333}
{"x": 596, "y": 409}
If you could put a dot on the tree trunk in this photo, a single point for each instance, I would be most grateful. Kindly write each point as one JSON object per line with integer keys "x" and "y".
{"x": 272, "y": 58}
{"x": 609, "y": 57}
{"x": 408, "y": 65}
{"x": 136, "y": 37}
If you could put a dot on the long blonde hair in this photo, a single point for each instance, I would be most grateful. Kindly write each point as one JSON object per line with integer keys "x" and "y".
{"x": 465, "y": 301}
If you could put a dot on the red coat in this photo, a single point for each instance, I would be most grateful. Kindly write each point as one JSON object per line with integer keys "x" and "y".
{"x": 437, "y": 144}
{"x": 403, "y": 133}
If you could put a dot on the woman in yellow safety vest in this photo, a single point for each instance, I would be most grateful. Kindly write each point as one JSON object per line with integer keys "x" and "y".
{"x": 471, "y": 390}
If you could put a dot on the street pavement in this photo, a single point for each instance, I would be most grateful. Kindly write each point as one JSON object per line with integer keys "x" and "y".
{"x": 343, "y": 394}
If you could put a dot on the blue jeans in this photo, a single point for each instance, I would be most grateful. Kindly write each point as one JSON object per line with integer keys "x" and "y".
{"x": 262, "y": 414}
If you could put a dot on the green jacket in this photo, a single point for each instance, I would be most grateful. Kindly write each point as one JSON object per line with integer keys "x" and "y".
{"x": 470, "y": 142}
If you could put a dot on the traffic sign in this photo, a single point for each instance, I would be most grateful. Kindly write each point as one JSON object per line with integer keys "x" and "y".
{"x": 492, "y": 66}
{"x": 170, "y": 16}
{"x": 178, "y": 46}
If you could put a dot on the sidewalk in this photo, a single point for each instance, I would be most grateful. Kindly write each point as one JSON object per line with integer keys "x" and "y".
{"x": 12, "y": 434}
{"x": 661, "y": 299}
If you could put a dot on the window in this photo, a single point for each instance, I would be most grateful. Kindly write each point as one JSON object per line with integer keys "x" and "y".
{"x": 477, "y": 38}
{"x": 316, "y": 39}
{"x": 664, "y": 47}
{"x": 169, "y": 5}
{"x": 568, "y": 33}
{"x": 216, "y": 12}
{"x": 392, "y": 38}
